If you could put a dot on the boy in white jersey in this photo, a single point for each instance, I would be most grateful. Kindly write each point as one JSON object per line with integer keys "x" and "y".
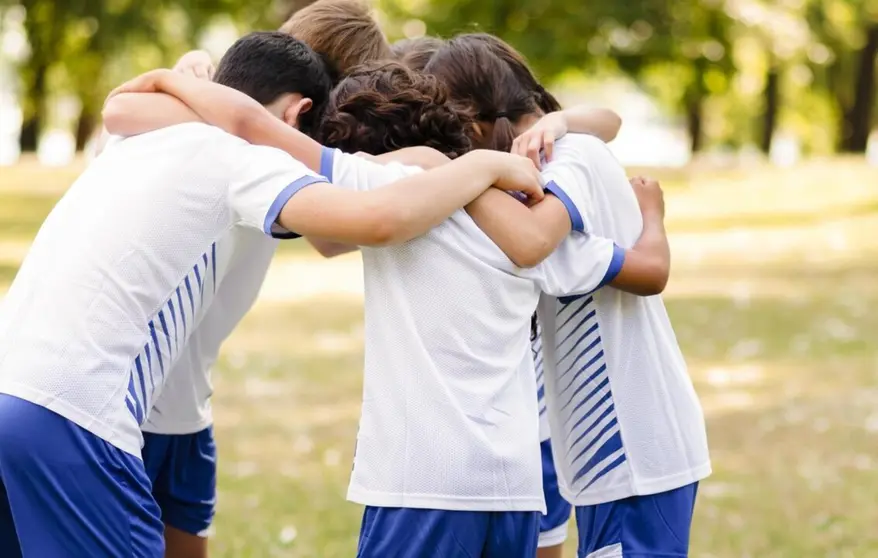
{"x": 179, "y": 449}
{"x": 629, "y": 438}
{"x": 628, "y": 430}
{"x": 470, "y": 477}
{"x": 94, "y": 323}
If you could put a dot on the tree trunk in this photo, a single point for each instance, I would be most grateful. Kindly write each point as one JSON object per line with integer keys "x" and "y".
{"x": 85, "y": 126}
{"x": 695, "y": 123}
{"x": 693, "y": 104}
{"x": 771, "y": 105}
{"x": 858, "y": 120}
{"x": 29, "y": 136}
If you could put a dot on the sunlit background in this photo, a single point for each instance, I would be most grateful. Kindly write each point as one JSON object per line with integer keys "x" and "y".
{"x": 757, "y": 116}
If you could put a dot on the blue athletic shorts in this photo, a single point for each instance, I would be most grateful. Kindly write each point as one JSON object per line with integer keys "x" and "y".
{"x": 638, "y": 527}
{"x": 182, "y": 469}
{"x": 65, "y": 493}
{"x": 553, "y": 525}
{"x": 419, "y": 533}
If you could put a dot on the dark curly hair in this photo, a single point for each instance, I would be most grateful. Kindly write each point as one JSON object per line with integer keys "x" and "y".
{"x": 382, "y": 107}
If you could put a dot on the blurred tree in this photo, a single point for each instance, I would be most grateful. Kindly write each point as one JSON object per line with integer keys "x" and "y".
{"x": 83, "y": 39}
{"x": 689, "y": 37}
{"x": 850, "y": 29}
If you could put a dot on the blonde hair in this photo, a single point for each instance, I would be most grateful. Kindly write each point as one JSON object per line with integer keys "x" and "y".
{"x": 343, "y": 32}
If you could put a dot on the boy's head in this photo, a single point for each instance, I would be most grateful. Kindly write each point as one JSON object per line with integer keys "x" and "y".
{"x": 385, "y": 106}
{"x": 416, "y": 53}
{"x": 343, "y": 32}
{"x": 280, "y": 72}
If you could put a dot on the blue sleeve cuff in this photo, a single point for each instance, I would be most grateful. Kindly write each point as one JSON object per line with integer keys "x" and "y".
{"x": 327, "y": 158}
{"x": 576, "y": 221}
{"x": 616, "y": 263}
{"x": 281, "y": 200}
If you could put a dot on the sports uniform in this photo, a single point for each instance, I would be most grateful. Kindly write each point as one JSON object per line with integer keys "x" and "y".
{"x": 118, "y": 278}
{"x": 447, "y": 458}
{"x": 628, "y": 433}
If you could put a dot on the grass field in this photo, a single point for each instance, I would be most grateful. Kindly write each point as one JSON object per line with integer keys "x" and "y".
{"x": 773, "y": 297}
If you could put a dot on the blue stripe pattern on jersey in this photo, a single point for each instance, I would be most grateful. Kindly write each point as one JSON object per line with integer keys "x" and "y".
{"x": 164, "y": 341}
{"x": 591, "y": 433}
{"x": 537, "y": 349}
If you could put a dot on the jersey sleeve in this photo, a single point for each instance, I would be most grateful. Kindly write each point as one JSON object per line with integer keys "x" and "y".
{"x": 568, "y": 178}
{"x": 357, "y": 173}
{"x": 263, "y": 180}
{"x": 580, "y": 265}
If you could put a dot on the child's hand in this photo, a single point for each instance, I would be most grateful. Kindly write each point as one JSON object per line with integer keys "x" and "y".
{"x": 516, "y": 174}
{"x": 649, "y": 196}
{"x": 541, "y": 137}
{"x": 196, "y": 63}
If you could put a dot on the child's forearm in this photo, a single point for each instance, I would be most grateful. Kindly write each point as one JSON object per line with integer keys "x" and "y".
{"x": 130, "y": 114}
{"x": 602, "y": 123}
{"x": 394, "y": 213}
{"x": 240, "y": 115}
{"x": 527, "y": 235}
{"x": 648, "y": 263}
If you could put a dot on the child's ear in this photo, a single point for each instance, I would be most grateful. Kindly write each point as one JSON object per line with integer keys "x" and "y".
{"x": 296, "y": 109}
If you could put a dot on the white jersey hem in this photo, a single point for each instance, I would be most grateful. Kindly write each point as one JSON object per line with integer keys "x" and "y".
{"x": 450, "y": 503}
{"x": 74, "y": 415}
{"x": 179, "y": 429}
{"x": 642, "y": 488}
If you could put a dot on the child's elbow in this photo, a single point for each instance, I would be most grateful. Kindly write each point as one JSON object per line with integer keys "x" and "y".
{"x": 613, "y": 125}
{"x": 658, "y": 279}
{"x": 113, "y": 115}
{"x": 531, "y": 254}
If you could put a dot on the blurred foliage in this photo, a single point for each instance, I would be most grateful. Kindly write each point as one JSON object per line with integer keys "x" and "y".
{"x": 732, "y": 71}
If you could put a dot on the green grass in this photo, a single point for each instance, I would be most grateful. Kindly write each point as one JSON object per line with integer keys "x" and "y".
{"x": 783, "y": 355}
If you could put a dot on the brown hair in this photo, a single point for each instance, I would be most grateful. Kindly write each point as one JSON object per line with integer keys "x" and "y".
{"x": 416, "y": 53}
{"x": 382, "y": 107}
{"x": 485, "y": 86}
{"x": 343, "y": 32}
{"x": 546, "y": 101}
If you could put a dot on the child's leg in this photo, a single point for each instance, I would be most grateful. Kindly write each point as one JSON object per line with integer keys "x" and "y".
{"x": 553, "y": 525}
{"x": 513, "y": 535}
{"x": 182, "y": 469}
{"x": 638, "y": 527}
{"x": 71, "y": 493}
{"x": 422, "y": 533}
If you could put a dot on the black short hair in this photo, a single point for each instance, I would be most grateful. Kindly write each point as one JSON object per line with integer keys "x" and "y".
{"x": 268, "y": 64}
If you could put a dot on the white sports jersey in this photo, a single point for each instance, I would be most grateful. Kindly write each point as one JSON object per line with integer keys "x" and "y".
{"x": 449, "y": 418}
{"x": 624, "y": 416}
{"x": 184, "y": 406}
{"x": 126, "y": 265}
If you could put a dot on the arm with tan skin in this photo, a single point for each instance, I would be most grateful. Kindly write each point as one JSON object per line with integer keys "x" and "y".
{"x": 396, "y": 213}
{"x": 601, "y": 123}
{"x": 195, "y": 63}
{"x": 527, "y": 235}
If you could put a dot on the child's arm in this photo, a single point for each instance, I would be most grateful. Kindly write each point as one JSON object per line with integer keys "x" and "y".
{"x": 601, "y": 123}
{"x": 220, "y": 106}
{"x": 130, "y": 114}
{"x": 404, "y": 209}
{"x": 528, "y": 235}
